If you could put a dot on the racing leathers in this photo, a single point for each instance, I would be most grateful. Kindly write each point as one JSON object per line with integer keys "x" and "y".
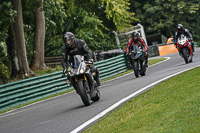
{"x": 186, "y": 33}
{"x": 78, "y": 48}
{"x": 140, "y": 43}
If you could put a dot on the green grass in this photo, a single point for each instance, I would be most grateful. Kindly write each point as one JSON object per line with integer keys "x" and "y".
{"x": 172, "y": 106}
{"x": 59, "y": 68}
{"x": 48, "y": 71}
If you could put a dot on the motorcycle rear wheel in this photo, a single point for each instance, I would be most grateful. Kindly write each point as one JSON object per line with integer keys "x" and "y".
{"x": 97, "y": 97}
{"x": 143, "y": 69}
{"x": 136, "y": 69}
{"x": 82, "y": 92}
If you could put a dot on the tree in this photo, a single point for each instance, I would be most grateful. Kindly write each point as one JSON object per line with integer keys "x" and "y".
{"x": 39, "y": 36}
{"x": 18, "y": 43}
{"x": 6, "y": 18}
{"x": 164, "y": 15}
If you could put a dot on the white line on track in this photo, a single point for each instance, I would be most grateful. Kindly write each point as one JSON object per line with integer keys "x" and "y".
{"x": 9, "y": 113}
{"x": 43, "y": 122}
{"x": 124, "y": 100}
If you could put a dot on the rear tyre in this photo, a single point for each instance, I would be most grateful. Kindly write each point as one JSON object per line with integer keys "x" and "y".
{"x": 143, "y": 69}
{"x": 191, "y": 59}
{"x": 136, "y": 69}
{"x": 82, "y": 92}
{"x": 185, "y": 53}
{"x": 97, "y": 97}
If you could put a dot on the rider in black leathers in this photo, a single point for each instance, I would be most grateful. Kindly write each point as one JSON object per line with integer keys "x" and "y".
{"x": 185, "y": 32}
{"x": 73, "y": 46}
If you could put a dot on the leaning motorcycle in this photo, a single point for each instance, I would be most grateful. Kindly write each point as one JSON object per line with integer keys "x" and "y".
{"x": 184, "y": 47}
{"x": 138, "y": 61}
{"x": 83, "y": 81}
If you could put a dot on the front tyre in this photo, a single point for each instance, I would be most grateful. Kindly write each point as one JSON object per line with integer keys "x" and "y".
{"x": 136, "y": 68}
{"x": 82, "y": 92}
{"x": 185, "y": 53}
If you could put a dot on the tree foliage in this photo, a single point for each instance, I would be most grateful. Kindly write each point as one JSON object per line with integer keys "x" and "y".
{"x": 164, "y": 15}
{"x": 6, "y": 18}
{"x": 95, "y": 20}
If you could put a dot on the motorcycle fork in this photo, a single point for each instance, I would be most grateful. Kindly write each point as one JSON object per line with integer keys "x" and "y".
{"x": 83, "y": 76}
{"x": 86, "y": 84}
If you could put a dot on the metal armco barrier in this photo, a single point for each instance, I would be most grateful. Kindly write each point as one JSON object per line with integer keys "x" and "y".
{"x": 112, "y": 66}
{"x": 27, "y": 90}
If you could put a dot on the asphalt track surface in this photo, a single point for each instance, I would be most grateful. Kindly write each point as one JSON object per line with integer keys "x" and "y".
{"x": 65, "y": 113}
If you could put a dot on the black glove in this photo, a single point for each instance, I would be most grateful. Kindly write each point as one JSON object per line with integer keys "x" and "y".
{"x": 144, "y": 51}
{"x": 128, "y": 53}
{"x": 66, "y": 70}
{"x": 90, "y": 61}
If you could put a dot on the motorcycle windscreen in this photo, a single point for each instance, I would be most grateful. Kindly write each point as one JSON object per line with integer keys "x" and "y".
{"x": 137, "y": 51}
{"x": 182, "y": 39}
{"x": 79, "y": 64}
{"x": 136, "y": 48}
{"x": 77, "y": 60}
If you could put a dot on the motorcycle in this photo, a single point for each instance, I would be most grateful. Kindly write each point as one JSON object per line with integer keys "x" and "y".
{"x": 83, "y": 81}
{"x": 184, "y": 47}
{"x": 138, "y": 61}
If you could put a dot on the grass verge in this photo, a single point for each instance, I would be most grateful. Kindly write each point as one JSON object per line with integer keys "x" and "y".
{"x": 59, "y": 68}
{"x": 171, "y": 106}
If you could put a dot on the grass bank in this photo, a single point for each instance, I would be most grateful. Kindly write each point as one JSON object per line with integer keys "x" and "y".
{"x": 171, "y": 106}
{"x": 59, "y": 68}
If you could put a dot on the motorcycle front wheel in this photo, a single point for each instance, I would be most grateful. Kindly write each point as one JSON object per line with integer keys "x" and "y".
{"x": 83, "y": 93}
{"x": 185, "y": 53}
{"x": 136, "y": 68}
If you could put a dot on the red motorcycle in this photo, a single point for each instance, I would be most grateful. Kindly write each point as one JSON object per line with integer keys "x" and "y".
{"x": 184, "y": 47}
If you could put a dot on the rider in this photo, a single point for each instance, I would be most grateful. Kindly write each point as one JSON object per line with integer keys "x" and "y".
{"x": 185, "y": 32}
{"x": 136, "y": 40}
{"x": 73, "y": 46}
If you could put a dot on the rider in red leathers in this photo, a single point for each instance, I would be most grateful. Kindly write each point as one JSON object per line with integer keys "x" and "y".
{"x": 185, "y": 32}
{"x": 136, "y": 40}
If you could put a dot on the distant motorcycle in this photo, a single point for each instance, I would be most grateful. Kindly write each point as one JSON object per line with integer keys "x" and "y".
{"x": 138, "y": 61}
{"x": 185, "y": 48}
{"x": 85, "y": 84}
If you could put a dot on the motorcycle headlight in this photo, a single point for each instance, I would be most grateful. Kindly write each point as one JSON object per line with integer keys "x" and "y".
{"x": 82, "y": 70}
{"x": 93, "y": 73}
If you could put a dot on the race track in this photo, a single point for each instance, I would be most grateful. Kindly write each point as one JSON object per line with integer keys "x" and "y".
{"x": 65, "y": 113}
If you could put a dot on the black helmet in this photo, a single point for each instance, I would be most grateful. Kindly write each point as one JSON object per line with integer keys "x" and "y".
{"x": 135, "y": 34}
{"x": 180, "y": 28}
{"x": 68, "y": 38}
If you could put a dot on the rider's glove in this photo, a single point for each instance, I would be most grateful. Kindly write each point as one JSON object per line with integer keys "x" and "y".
{"x": 90, "y": 61}
{"x": 66, "y": 70}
